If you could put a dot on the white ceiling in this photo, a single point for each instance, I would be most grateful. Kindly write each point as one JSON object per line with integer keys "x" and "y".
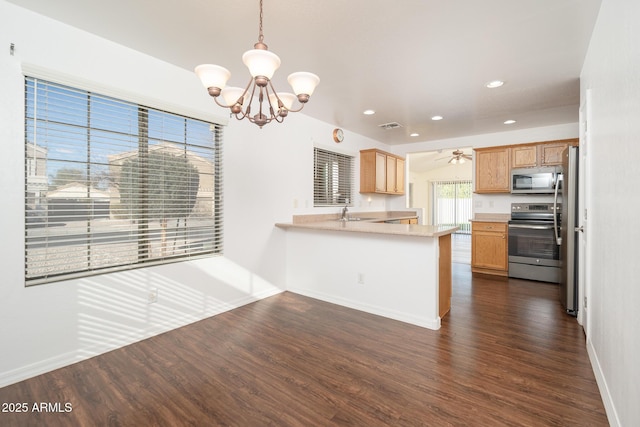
{"x": 408, "y": 60}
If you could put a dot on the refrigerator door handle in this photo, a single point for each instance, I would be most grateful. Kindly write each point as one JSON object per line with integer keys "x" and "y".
{"x": 556, "y": 229}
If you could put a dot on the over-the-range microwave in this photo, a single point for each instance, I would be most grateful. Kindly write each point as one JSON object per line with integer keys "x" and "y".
{"x": 535, "y": 180}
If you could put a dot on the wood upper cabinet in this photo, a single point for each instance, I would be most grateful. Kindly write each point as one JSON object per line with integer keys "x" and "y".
{"x": 381, "y": 172}
{"x": 539, "y": 154}
{"x": 489, "y": 248}
{"x": 551, "y": 154}
{"x": 493, "y": 169}
{"x": 399, "y": 175}
{"x": 524, "y": 156}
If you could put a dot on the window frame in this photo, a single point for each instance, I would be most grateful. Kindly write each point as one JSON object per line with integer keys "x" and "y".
{"x": 333, "y": 187}
{"x": 209, "y": 143}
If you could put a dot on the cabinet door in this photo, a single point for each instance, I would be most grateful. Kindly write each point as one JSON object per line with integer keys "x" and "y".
{"x": 551, "y": 154}
{"x": 493, "y": 170}
{"x": 391, "y": 174}
{"x": 381, "y": 172}
{"x": 489, "y": 250}
{"x": 524, "y": 157}
{"x": 399, "y": 176}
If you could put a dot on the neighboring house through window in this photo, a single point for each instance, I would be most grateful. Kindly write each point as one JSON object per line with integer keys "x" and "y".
{"x": 112, "y": 185}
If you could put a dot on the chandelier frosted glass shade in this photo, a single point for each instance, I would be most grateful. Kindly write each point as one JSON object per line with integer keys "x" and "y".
{"x": 303, "y": 83}
{"x": 213, "y": 77}
{"x": 261, "y": 63}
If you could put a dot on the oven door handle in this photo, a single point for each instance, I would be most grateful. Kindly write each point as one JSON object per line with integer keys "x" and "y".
{"x": 532, "y": 227}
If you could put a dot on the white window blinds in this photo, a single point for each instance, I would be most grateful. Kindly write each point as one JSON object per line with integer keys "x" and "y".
{"x": 112, "y": 185}
{"x": 332, "y": 178}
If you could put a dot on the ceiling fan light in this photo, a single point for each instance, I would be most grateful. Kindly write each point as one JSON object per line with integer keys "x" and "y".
{"x": 461, "y": 160}
{"x": 212, "y": 75}
{"x": 303, "y": 83}
{"x": 261, "y": 62}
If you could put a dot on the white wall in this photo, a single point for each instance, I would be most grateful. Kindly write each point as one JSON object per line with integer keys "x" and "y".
{"x": 267, "y": 173}
{"x": 611, "y": 74}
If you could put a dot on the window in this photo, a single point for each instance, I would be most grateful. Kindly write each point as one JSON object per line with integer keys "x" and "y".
{"x": 111, "y": 185}
{"x": 452, "y": 204}
{"x": 332, "y": 178}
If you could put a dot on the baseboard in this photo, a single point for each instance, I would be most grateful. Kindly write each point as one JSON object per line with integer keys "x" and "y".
{"x": 609, "y": 406}
{"x": 87, "y": 352}
{"x": 379, "y": 311}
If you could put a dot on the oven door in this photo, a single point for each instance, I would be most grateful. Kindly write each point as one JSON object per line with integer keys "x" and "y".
{"x": 533, "y": 241}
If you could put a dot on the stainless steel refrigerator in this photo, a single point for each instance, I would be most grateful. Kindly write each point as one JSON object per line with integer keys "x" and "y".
{"x": 566, "y": 199}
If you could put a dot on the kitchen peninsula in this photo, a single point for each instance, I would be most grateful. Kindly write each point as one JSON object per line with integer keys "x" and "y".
{"x": 400, "y": 271}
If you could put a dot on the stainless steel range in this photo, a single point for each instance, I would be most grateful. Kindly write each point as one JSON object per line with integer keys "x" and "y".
{"x": 533, "y": 252}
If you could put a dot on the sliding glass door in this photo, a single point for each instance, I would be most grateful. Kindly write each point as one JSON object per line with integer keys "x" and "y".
{"x": 452, "y": 204}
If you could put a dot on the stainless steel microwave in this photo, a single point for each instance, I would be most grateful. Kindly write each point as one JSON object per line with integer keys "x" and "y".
{"x": 535, "y": 180}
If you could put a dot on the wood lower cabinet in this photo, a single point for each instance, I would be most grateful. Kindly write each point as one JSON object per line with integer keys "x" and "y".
{"x": 381, "y": 172}
{"x": 409, "y": 221}
{"x": 444, "y": 275}
{"x": 489, "y": 248}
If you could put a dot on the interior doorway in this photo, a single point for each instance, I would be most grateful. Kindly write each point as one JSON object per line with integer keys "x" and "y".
{"x": 428, "y": 174}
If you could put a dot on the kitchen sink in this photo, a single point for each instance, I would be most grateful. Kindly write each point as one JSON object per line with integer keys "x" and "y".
{"x": 356, "y": 219}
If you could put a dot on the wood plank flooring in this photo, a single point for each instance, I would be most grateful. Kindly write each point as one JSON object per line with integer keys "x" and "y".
{"x": 506, "y": 355}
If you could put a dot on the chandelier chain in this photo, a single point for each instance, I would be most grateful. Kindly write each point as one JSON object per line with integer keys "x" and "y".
{"x": 261, "y": 36}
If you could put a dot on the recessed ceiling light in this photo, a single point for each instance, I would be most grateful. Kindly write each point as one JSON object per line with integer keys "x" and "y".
{"x": 415, "y": 134}
{"x": 509, "y": 122}
{"x": 437, "y": 118}
{"x": 368, "y": 112}
{"x": 494, "y": 84}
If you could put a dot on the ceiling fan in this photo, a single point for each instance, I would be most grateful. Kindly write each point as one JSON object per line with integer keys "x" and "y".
{"x": 457, "y": 156}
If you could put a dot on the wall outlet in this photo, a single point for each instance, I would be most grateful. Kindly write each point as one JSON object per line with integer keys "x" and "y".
{"x": 153, "y": 295}
{"x": 361, "y": 278}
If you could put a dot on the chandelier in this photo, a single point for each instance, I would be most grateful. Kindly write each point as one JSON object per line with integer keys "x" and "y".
{"x": 262, "y": 64}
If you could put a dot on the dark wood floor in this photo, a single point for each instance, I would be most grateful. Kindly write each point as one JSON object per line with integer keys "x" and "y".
{"x": 505, "y": 355}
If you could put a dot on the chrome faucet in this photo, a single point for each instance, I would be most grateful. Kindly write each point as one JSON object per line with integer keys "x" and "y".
{"x": 345, "y": 212}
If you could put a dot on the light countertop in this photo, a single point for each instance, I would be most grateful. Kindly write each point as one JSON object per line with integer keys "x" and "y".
{"x": 491, "y": 217}
{"x": 371, "y": 225}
